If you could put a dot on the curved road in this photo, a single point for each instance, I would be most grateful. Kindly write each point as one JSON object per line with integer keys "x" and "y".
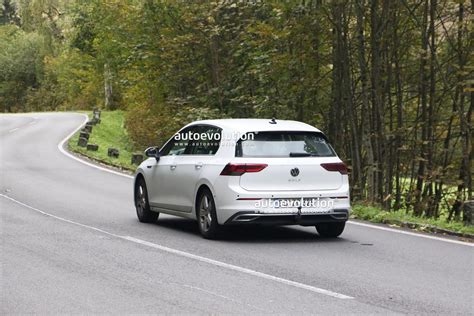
{"x": 71, "y": 243}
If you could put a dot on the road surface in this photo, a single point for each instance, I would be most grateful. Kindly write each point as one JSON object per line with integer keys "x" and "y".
{"x": 71, "y": 243}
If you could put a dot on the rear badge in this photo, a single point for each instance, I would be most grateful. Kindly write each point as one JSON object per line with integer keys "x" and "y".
{"x": 295, "y": 172}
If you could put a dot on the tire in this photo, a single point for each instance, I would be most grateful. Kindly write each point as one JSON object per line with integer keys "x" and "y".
{"x": 206, "y": 216}
{"x": 330, "y": 230}
{"x": 144, "y": 214}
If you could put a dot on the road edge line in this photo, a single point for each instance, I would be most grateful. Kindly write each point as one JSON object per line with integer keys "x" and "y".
{"x": 416, "y": 234}
{"x": 238, "y": 268}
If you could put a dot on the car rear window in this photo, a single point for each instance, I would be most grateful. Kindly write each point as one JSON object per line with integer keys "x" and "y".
{"x": 284, "y": 144}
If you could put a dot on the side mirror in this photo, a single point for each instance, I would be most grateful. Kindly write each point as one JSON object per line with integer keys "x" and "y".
{"x": 153, "y": 152}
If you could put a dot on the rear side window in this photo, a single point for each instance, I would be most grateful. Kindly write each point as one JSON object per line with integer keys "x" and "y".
{"x": 176, "y": 146}
{"x": 208, "y": 143}
{"x": 194, "y": 140}
{"x": 284, "y": 144}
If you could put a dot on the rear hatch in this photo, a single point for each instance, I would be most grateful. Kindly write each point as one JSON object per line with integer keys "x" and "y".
{"x": 295, "y": 161}
{"x": 296, "y": 174}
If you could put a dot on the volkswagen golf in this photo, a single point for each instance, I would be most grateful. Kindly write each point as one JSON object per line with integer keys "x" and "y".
{"x": 245, "y": 171}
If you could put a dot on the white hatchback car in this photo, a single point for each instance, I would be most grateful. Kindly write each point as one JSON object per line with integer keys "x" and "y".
{"x": 245, "y": 171}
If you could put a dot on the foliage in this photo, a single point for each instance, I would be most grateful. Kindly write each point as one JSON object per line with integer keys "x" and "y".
{"x": 20, "y": 66}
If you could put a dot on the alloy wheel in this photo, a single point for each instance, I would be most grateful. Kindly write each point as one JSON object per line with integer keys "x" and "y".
{"x": 140, "y": 200}
{"x": 205, "y": 216}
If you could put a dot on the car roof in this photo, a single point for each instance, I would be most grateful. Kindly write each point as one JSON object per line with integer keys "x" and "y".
{"x": 253, "y": 125}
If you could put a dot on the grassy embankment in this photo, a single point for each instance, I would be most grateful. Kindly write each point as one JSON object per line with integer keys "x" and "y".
{"x": 111, "y": 133}
{"x": 401, "y": 218}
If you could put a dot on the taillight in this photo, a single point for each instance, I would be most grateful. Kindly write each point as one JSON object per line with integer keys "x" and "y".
{"x": 239, "y": 169}
{"x": 335, "y": 166}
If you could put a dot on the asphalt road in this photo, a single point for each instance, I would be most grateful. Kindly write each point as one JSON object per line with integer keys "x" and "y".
{"x": 71, "y": 243}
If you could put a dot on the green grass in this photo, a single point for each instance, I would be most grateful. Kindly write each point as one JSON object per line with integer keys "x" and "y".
{"x": 377, "y": 215}
{"x": 109, "y": 133}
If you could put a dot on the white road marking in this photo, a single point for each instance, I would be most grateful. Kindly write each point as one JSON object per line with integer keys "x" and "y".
{"x": 65, "y": 152}
{"x": 17, "y": 128}
{"x": 189, "y": 255}
{"x": 388, "y": 229}
{"x": 237, "y": 268}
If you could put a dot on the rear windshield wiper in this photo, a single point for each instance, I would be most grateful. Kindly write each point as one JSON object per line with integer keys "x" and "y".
{"x": 300, "y": 154}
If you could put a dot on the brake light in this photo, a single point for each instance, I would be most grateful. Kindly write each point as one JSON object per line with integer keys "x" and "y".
{"x": 239, "y": 169}
{"x": 335, "y": 166}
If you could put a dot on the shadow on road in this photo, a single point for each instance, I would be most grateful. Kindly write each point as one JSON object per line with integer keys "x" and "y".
{"x": 250, "y": 233}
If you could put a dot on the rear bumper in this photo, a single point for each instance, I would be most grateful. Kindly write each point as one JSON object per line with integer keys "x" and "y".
{"x": 233, "y": 201}
{"x": 246, "y": 217}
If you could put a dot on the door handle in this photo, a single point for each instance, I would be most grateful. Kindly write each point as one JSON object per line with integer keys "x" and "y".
{"x": 198, "y": 165}
{"x": 172, "y": 167}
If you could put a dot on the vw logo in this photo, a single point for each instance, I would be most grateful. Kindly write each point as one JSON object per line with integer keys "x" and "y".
{"x": 295, "y": 172}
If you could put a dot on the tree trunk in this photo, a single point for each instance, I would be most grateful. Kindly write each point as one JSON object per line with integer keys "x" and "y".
{"x": 377, "y": 132}
{"x": 361, "y": 57}
{"x": 108, "y": 91}
{"x": 430, "y": 205}
{"x": 465, "y": 177}
{"x": 418, "y": 207}
{"x": 399, "y": 101}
